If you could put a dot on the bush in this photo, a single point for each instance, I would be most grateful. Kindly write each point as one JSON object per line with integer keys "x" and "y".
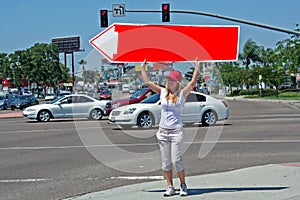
{"x": 289, "y": 94}
{"x": 249, "y": 92}
{"x": 256, "y": 92}
{"x": 290, "y": 90}
{"x": 268, "y": 92}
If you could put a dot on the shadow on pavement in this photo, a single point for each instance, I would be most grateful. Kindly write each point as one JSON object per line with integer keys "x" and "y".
{"x": 198, "y": 191}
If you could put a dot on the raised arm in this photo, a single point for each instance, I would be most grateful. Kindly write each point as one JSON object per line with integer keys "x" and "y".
{"x": 145, "y": 77}
{"x": 189, "y": 87}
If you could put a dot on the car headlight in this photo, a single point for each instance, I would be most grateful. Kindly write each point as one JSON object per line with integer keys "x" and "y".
{"x": 129, "y": 111}
{"x": 115, "y": 106}
{"x": 1, "y": 103}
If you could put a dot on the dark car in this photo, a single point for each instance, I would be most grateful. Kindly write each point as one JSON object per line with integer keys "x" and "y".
{"x": 105, "y": 94}
{"x": 136, "y": 97}
{"x": 3, "y": 102}
{"x": 23, "y": 101}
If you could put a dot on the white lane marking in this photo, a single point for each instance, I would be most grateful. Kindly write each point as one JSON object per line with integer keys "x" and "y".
{"x": 262, "y": 117}
{"x": 24, "y": 180}
{"x": 86, "y": 179}
{"x": 284, "y": 116}
{"x": 139, "y": 177}
{"x": 52, "y": 130}
{"x": 147, "y": 144}
{"x": 261, "y": 120}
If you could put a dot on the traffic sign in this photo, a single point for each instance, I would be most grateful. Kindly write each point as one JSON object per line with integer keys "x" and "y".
{"x": 167, "y": 43}
{"x": 119, "y": 10}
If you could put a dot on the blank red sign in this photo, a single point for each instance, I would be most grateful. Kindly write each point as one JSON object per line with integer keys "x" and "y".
{"x": 167, "y": 43}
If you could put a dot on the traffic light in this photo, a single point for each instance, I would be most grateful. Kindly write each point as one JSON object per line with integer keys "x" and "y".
{"x": 165, "y": 12}
{"x": 103, "y": 18}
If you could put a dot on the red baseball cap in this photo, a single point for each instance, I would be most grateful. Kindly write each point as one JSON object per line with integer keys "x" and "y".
{"x": 175, "y": 75}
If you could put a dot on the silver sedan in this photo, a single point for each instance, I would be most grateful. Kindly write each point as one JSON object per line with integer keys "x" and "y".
{"x": 69, "y": 106}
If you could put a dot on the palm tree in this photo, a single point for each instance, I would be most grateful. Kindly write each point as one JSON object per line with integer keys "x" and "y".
{"x": 251, "y": 53}
{"x": 82, "y": 63}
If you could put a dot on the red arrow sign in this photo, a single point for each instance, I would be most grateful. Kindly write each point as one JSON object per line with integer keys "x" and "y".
{"x": 159, "y": 43}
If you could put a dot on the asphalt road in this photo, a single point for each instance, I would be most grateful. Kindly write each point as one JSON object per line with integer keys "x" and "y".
{"x": 64, "y": 158}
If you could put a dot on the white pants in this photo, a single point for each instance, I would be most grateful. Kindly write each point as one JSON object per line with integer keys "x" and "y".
{"x": 171, "y": 148}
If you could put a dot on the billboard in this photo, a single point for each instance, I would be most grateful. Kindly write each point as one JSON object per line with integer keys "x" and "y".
{"x": 67, "y": 44}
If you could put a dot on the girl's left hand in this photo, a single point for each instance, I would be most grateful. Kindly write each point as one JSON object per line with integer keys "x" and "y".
{"x": 144, "y": 63}
{"x": 197, "y": 62}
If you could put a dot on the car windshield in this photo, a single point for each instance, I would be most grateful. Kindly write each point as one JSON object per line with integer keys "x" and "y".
{"x": 18, "y": 98}
{"x": 152, "y": 99}
{"x": 55, "y": 100}
{"x": 138, "y": 93}
{"x": 24, "y": 97}
{"x": 105, "y": 92}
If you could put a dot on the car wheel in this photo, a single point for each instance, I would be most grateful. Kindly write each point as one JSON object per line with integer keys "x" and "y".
{"x": 44, "y": 116}
{"x": 96, "y": 114}
{"x": 12, "y": 108}
{"x": 209, "y": 118}
{"x": 145, "y": 120}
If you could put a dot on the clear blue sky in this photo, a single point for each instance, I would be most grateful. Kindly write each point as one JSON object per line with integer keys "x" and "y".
{"x": 26, "y": 22}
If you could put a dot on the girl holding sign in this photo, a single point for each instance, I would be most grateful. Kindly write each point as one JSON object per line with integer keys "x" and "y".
{"x": 170, "y": 134}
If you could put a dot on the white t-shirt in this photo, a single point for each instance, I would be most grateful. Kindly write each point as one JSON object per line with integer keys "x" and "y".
{"x": 171, "y": 112}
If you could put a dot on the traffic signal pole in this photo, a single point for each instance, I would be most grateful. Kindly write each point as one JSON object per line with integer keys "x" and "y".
{"x": 266, "y": 26}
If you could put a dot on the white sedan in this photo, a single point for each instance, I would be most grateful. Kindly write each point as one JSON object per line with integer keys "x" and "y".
{"x": 198, "y": 107}
{"x": 69, "y": 106}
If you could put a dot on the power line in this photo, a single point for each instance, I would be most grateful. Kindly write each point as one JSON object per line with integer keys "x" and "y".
{"x": 251, "y": 23}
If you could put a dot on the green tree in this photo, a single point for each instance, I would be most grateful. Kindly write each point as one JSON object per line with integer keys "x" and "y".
{"x": 289, "y": 51}
{"x": 18, "y": 61}
{"x": 4, "y": 65}
{"x": 231, "y": 74}
{"x": 45, "y": 64}
{"x": 274, "y": 72}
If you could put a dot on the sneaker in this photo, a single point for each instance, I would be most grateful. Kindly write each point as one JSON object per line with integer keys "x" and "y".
{"x": 170, "y": 191}
{"x": 183, "y": 190}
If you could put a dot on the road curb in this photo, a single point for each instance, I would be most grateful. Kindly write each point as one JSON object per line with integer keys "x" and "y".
{"x": 292, "y": 103}
{"x": 11, "y": 115}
